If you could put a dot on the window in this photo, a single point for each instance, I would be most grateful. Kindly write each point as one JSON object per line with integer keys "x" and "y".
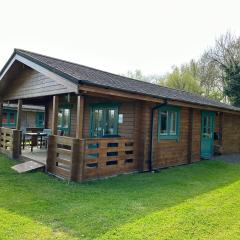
{"x": 104, "y": 120}
{"x": 168, "y": 122}
{"x": 64, "y": 119}
{"x": 4, "y": 118}
{"x": 40, "y": 119}
{"x": 9, "y": 118}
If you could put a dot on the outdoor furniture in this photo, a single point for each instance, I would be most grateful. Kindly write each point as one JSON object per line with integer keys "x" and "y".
{"x": 34, "y": 138}
{"x": 44, "y": 139}
{"x": 25, "y": 138}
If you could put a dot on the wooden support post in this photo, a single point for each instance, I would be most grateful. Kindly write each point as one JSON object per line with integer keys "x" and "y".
{"x": 75, "y": 169}
{"x": 55, "y": 115}
{"x": 82, "y": 159}
{"x": 190, "y": 133}
{"x": 51, "y": 154}
{"x": 1, "y": 112}
{"x": 19, "y": 114}
{"x": 46, "y": 116}
{"x": 16, "y": 144}
{"x": 80, "y": 113}
{"x": 137, "y": 137}
{"x": 220, "y": 129}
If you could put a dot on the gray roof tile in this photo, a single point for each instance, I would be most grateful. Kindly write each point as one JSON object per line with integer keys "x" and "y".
{"x": 83, "y": 74}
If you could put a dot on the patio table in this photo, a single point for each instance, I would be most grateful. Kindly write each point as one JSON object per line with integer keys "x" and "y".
{"x": 34, "y": 139}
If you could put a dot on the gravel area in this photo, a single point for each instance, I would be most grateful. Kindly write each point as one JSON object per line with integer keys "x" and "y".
{"x": 232, "y": 158}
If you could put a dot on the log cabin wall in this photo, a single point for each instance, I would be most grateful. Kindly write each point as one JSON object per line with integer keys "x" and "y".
{"x": 128, "y": 109}
{"x": 136, "y": 125}
{"x": 231, "y": 133}
{"x": 175, "y": 152}
{"x": 29, "y": 119}
{"x": 125, "y": 129}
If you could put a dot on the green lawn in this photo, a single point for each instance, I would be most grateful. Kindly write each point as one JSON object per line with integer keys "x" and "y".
{"x": 198, "y": 201}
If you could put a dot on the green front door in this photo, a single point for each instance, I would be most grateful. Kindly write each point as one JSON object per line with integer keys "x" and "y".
{"x": 207, "y": 134}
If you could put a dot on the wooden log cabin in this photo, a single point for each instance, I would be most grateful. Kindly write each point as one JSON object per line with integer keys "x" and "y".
{"x": 111, "y": 124}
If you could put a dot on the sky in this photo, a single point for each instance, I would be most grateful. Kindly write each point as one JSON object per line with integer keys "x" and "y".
{"x": 117, "y": 36}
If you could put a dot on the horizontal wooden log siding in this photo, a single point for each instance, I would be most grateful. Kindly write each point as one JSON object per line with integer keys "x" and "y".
{"x": 175, "y": 152}
{"x": 107, "y": 157}
{"x": 128, "y": 109}
{"x": 10, "y": 142}
{"x": 64, "y": 157}
{"x": 30, "y": 83}
{"x": 230, "y": 133}
{"x": 85, "y": 159}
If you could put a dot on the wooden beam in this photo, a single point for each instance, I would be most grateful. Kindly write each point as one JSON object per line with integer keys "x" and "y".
{"x": 19, "y": 115}
{"x": 117, "y": 93}
{"x": 100, "y": 91}
{"x": 220, "y": 128}
{"x": 55, "y": 114}
{"x": 46, "y": 115}
{"x": 1, "y": 112}
{"x": 80, "y": 114}
{"x": 190, "y": 133}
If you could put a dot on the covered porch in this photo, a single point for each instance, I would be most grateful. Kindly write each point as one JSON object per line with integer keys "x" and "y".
{"x": 91, "y": 137}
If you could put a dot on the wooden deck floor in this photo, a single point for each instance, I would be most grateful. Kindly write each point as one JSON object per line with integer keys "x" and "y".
{"x": 38, "y": 155}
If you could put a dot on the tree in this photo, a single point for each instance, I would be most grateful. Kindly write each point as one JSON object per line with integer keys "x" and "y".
{"x": 183, "y": 78}
{"x": 211, "y": 79}
{"x": 225, "y": 56}
{"x": 137, "y": 74}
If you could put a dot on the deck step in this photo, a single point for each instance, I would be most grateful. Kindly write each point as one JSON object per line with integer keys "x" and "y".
{"x": 27, "y": 166}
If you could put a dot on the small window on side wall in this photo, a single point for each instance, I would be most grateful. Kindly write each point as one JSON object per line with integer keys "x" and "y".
{"x": 168, "y": 122}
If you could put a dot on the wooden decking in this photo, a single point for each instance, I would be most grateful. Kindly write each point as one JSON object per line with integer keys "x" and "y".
{"x": 38, "y": 155}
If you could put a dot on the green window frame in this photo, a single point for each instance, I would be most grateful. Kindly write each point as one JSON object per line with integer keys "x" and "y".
{"x": 102, "y": 111}
{"x": 169, "y": 123}
{"x": 40, "y": 118}
{"x": 64, "y": 118}
{"x": 9, "y": 114}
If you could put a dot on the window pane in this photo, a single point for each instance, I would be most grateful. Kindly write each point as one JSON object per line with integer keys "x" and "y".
{"x": 4, "y": 118}
{"x": 97, "y": 122}
{"x": 206, "y": 127}
{"x": 60, "y": 116}
{"x": 66, "y": 118}
{"x": 173, "y": 123}
{"x": 110, "y": 122}
{"x": 163, "y": 123}
{"x": 12, "y": 118}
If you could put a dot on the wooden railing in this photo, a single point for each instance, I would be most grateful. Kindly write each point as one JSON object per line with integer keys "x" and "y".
{"x": 85, "y": 159}
{"x": 108, "y": 156}
{"x": 64, "y": 157}
{"x": 10, "y": 142}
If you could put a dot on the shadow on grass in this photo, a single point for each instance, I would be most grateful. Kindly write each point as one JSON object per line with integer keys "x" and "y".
{"x": 91, "y": 209}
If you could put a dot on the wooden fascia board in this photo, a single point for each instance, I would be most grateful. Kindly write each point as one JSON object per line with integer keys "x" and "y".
{"x": 72, "y": 87}
{"x": 6, "y": 68}
{"x": 136, "y": 96}
{"x": 201, "y": 107}
{"x": 117, "y": 93}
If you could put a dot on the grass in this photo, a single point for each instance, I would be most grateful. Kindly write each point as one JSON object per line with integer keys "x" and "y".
{"x": 198, "y": 201}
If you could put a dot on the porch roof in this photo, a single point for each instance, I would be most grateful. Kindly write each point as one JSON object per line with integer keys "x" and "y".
{"x": 86, "y": 75}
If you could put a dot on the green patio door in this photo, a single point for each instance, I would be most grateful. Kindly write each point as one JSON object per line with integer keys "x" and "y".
{"x": 39, "y": 119}
{"x": 207, "y": 134}
{"x": 104, "y": 120}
